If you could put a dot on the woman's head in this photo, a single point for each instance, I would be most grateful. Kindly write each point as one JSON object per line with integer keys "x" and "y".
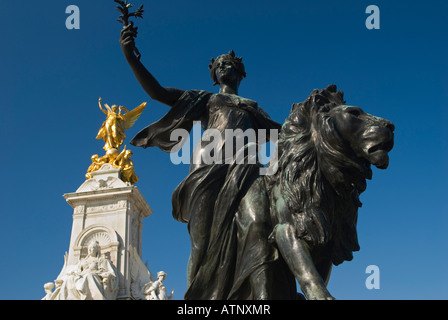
{"x": 94, "y": 249}
{"x": 161, "y": 274}
{"x": 227, "y": 67}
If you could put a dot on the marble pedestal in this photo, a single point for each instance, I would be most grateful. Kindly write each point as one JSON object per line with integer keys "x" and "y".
{"x": 111, "y": 212}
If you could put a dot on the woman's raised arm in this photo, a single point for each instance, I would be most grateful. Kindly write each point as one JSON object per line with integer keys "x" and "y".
{"x": 168, "y": 96}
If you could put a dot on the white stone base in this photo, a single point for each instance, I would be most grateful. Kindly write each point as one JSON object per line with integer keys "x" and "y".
{"x": 111, "y": 212}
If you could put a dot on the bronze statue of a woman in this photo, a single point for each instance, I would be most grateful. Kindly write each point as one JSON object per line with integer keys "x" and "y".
{"x": 225, "y": 205}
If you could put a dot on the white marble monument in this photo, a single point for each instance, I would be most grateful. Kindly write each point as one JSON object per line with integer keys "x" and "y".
{"x": 104, "y": 258}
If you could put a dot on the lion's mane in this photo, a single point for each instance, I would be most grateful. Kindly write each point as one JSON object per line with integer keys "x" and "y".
{"x": 319, "y": 176}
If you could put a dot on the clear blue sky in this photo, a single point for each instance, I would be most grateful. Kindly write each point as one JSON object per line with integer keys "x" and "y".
{"x": 51, "y": 79}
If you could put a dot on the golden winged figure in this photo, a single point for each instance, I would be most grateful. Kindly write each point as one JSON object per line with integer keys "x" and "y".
{"x": 118, "y": 120}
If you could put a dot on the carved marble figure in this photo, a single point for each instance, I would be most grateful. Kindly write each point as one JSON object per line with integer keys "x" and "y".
{"x": 93, "y": 278}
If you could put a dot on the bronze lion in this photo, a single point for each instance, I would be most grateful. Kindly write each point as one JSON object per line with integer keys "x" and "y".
{"x": 325, "y": 152}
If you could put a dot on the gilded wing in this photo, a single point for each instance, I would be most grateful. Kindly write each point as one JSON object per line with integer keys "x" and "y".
{"x": 132, "y": 116}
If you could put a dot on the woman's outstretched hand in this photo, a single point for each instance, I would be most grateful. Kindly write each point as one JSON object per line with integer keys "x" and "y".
{"x": 127, "y": 41}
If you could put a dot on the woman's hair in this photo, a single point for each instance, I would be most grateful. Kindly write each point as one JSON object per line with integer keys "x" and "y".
{"x": 237, "y": 63}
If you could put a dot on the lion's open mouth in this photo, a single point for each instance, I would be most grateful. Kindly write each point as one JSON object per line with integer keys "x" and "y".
{"x": 378, "y": 153}
{"x": 383, "y": 146}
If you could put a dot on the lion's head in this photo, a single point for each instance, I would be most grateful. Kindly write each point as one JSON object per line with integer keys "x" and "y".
{"x": 325, "y": 152}
{"x": 369, "y": 137}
